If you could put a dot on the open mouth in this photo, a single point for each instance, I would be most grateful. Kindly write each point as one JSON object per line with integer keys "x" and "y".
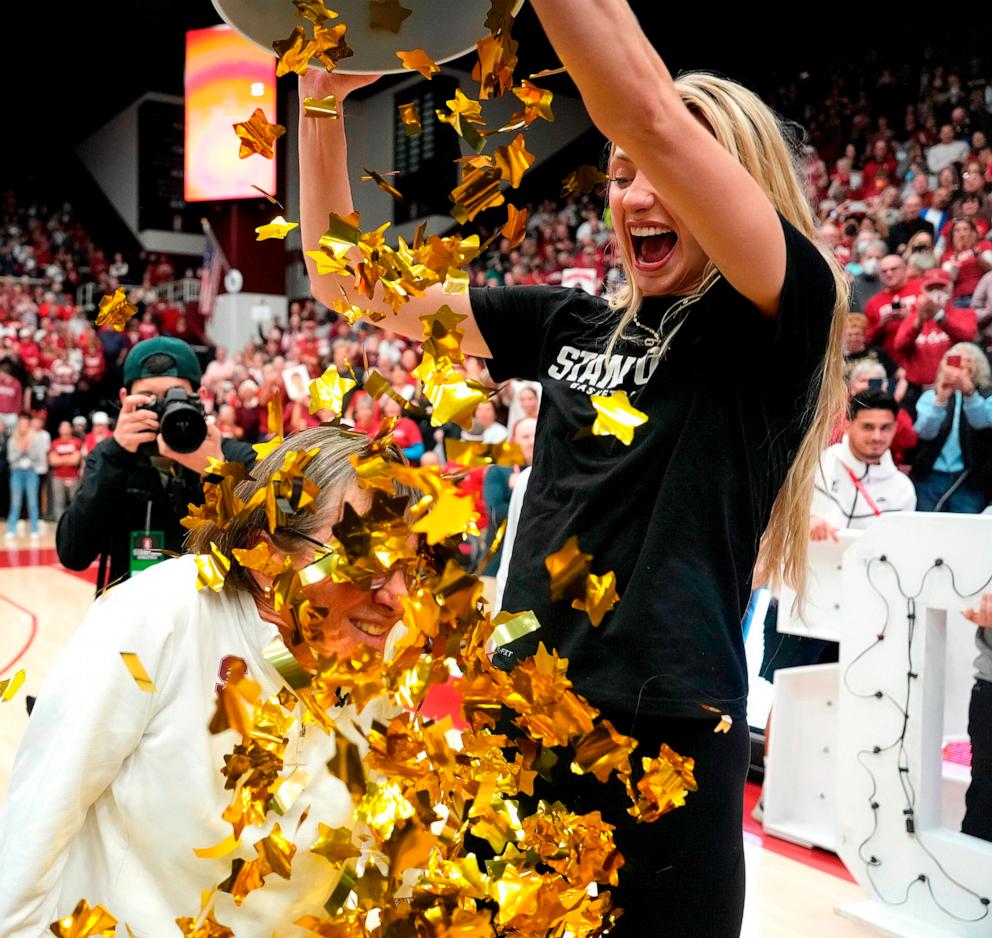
{"x": 652, "y": 244}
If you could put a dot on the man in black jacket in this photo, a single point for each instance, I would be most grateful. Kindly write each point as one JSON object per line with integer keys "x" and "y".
{"x": 135, "y": 489}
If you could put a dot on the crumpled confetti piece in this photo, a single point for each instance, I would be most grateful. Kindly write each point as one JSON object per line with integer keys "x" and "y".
{"x": 410, "y": 117}
{"x": 419, "y": 61}
{"x": 85, "y": 922}
{"x": 330, "y": 45}
{"x": 275, "y": 855}
{"x": 137, "y": 670}
{"x": 115, "y": 310}
{"x": 601, "y": 596}
{"x": 11, "y": 685}
{"x": 478, "y": 190}
{"x": 387, "y": 14}
{"x": 321, "y": 107}
{"x": 515, "y": 228}
{"x": 513, "y": 160}
{"x": 328, "y": 391}
{"x": 277, "y": 228}
{"x": 616, "y": 416}
{"x": 583, "y": 179}
{"x": 381, "y": 182}
{"x": 464, "y": 115}
{"x": 664, "y": 785}
{"x": 211, "y": 569}
{"x": 257, "y": 135}
{"x": 567, "y": 567}
{"x": 315, "y": 11}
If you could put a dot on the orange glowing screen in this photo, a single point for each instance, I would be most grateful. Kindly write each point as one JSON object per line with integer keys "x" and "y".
{"x": 226, "y": 79}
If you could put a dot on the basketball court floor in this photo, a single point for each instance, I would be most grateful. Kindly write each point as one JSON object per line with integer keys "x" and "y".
{"x": 791, "y": 891}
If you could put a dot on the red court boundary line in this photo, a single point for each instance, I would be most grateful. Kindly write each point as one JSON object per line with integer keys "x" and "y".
{"x": 31, "y": 637}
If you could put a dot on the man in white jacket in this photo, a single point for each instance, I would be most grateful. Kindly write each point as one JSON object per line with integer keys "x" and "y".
{"x": 857, "y": 481}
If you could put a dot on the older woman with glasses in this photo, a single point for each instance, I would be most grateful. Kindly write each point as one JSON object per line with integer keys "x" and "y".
{"x": 111, "y": 759}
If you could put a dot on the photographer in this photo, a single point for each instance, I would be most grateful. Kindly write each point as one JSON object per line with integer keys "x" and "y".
{"x": 137, "y": 484}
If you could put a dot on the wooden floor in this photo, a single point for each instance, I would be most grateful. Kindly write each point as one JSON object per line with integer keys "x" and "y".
{"x": 41, "y": 603}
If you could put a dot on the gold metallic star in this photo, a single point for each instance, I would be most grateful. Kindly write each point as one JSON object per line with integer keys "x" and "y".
{"x": 601, "y": 596}
{"x": 277, "y": 228}
{"x": 327, "y": 392}
{"x": 419, "y": 61}
{"x": 257, "y": 135}
{"x": 115, "y": 310}
{"x": 387, "y": 14}
{"x": 616, "y": 416}
{"x": 568, "y": 568}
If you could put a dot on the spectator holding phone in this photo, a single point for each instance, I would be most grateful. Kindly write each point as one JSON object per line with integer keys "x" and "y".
{"x": 952, "y": 468}
{"x": 887, "y": 308}
{"x": 924, "y": 338}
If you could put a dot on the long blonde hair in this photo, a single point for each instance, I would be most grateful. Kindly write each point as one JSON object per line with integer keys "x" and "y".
{"x": 747, "y": 128}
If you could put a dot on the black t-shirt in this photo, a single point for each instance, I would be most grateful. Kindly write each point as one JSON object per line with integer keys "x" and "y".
{"x": 678, "y": 514}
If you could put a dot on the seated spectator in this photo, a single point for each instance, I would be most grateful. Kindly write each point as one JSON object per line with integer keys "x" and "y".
{"x": 923, "y": 337}
{"x": 855, "y": 349}
{"x": 857, "y": 480}
{"x": 910, "y": 222}
{"x": 485, "y": 426}
{"x": 952, "y": 468}
{"x": 947, "y": 151}
{"x": 966, "y": 260}
{"x": 65, "y": 460}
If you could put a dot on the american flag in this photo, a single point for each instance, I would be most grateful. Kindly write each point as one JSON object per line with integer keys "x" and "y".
{"x": 214, "y": 265}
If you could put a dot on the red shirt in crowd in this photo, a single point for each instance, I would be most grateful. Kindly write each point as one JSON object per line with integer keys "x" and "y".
{"x": 11, "y": 393}
{"x": 30, "y": 353}
{"x": 406, "y": 433}
{"x": 922, "y": 347}
{"x": 968, "y": 268}
{"x": 884, "y": 316}
{"x": 66, "y": 447}
{"x": 94, "y": 364}
{"x": 981, "y": 225}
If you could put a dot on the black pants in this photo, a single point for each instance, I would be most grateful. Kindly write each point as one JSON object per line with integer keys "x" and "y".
{"x": 684, "y": 873}
{"x": 978, "y": 800}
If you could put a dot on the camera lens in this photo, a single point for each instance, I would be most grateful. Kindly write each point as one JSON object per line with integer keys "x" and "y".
{"x": 183, "y": 425}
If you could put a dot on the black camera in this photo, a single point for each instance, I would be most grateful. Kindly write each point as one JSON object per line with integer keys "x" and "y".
{"x": 181, "y": 421}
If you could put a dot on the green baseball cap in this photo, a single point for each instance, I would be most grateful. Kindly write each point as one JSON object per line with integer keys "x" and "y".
{"x": 162, "y": 356}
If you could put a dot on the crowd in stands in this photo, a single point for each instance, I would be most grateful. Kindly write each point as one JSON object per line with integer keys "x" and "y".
{"x": 899, "y": 186}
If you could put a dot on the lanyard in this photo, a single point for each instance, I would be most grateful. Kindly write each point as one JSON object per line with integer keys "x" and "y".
{"x": 864, "y": 492}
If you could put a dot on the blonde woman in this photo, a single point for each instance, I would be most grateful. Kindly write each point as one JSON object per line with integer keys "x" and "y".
{"x": 728, "y": 337}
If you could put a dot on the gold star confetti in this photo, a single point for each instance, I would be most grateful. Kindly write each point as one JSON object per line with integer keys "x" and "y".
{"x": 567, "y": 568}
{"x": 537, "y": 104}
{"x": 419, "y": 61}
{"x": 328, "y": 391}
{"x": 478, "y": 190}
{"x": 463, "y": 115}
{"x": 277, "y": 228}
{"x": 583, "y": 179}
{"x": 137, "y": 670}
{"x": 295, "y": 52}
{"x": 601, "y": 596}
{"x": 664, "y": 785}
{"x": 387, "y": 14}
{"x": 115, "y": 310}
{"x": 211, "y": 569}
{"x": 316, "y": 11}
{"x": 411, "y": 118}
{"x": 513, "y": 160}
{"x": 85, "y": 922}
{"x": 321, "y": 107}
{"x": 10, "y": 686}
{"x": 548, "y": 72}
{"x": 330, "y": 46}
{"x": 268, "y": 195}
{"x": 616, "y": 416}
{"x": 494, "y": 68}
{"x": 602, "y": 752}
{"x": 451, "y": 515}
{"x": 257, "y": 135}
{"x": 516, "y": 225}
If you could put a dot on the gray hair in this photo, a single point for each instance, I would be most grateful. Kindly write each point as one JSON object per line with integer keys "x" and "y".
{"x": 876, "y": 244}
{"x": 983, "y": 373}
{"x": 331, "y": 469}
{"x": 922, "y": 261}
{"x": 866, "y": 369}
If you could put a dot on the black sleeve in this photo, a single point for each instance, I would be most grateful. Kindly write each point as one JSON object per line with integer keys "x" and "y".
{"x": 515, "y": 322}
{"x": 84, "y": 531}
{"x": 236, "y": 451}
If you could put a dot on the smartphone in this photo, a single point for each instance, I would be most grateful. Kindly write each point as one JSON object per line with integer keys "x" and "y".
{"x": 876, "y": 384}
{"x": 954, "y": 361}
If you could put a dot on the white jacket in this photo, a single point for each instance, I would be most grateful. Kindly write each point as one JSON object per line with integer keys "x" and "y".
{"x": 113, "y": 787}
{"x": 839, "y": 501}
